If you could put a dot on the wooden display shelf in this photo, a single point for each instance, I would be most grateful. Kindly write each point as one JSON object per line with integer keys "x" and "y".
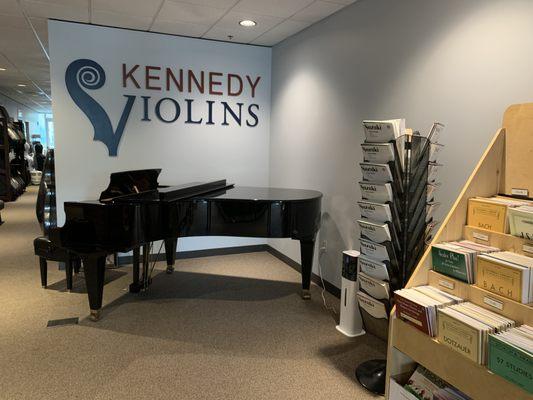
{"x": 503, "y": 167}
{"x": 501, "y": 240}
{"x": 521, "y": 313}
{"x": 473, "y": 379}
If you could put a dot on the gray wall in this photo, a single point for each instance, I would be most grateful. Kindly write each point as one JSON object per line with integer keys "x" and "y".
{"x": 460, "y": 62}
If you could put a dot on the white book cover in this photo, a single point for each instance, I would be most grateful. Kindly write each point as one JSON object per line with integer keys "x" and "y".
{"x": 373, "y": 268}
{"x": 375, "y": 211}
{"x": 375, "y": 288}
{"x": 521, "y": 222}
{"x": 383, "y": 131}
{"x": 380, "y": 153}
{"x": 376, "y": 172}
{"x": 373, "y": 191}
{"x": 376, "y": 232}
{"x": 374, "y": 251}
{"x": 372, "y": 306}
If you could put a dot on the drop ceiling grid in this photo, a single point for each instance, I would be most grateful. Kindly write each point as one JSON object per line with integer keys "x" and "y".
{"x": 211, "y": 19}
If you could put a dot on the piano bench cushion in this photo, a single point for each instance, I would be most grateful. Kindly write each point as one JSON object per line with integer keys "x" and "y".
{"x": 46, "y": 249}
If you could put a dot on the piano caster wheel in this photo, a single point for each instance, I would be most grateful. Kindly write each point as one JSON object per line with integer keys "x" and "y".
{"x": 44, "y": 287}
{"x": 306, "y": 294}
{"x": 170, "y": 269}
{"x": 95, "y": 315}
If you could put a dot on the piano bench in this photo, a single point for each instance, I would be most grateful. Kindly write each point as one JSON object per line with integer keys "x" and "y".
{"x": 47, "y": 251}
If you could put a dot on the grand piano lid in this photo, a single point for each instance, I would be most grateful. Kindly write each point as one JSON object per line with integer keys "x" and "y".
{"x": 130, "y": 182}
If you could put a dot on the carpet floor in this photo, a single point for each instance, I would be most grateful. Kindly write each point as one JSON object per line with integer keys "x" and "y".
{"x": 224, "y": 327}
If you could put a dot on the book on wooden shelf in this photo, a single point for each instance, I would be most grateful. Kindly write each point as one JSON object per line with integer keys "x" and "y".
{"x": 418, "y": 306}
{"x": 521, "y": 222}
{"x": 511, "y": 356}
{"x": 508, "y": 274}
{"x": 465, "y": 328}
{"x": 383, "y": 131}
{"x": 425, "y": 385}
{"x": 491, "y": 213}
{"x": 458, "y": 259}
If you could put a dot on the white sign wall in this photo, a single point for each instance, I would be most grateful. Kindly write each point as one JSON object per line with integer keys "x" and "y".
{"x": 125, "y": 100}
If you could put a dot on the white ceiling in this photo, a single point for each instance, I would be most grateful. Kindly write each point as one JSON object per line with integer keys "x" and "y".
{"x": 26, "y": 62}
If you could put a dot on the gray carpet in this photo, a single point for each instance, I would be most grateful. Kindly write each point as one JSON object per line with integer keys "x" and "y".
{"x": 225, "y": 327}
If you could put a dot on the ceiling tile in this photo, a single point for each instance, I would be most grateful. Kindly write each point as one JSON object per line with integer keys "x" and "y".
{"x": 211, "y": 3}
{"x": 120, "y": 20}
{"x": 280, "y": 32}
{"x": 316, "y": 11}
{"x": 70, "y": 11}
{"x": 10, "y": 7}
{"x": 190, "y": 13}
{"x": 223, "y": 34}
{"x": 140, "y": 8}
{"x": 230, "y": 23}
{"x": 179, "y": 28}
{"x": 275, "y": 8}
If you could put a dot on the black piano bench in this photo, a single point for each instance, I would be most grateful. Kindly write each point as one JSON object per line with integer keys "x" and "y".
{"x": 47, "y": 251}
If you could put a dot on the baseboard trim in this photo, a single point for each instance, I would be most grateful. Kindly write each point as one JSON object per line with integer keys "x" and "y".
{"x": 223, "y": 251}
{"x": 328, "y": 286}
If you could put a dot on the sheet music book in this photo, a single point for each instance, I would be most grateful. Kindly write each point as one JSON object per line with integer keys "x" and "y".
{"x": 374, "y": 287}
{"x": 434, "y": 133}
{"x": 383, "y": 252}
{"x": 377, "y": 232}
{"x": 380, "y": 153}
{"x": 376, "y": 191}
{"x": 383, "y": 131}
{"x": 373, "y": 268}
{"x": 375, "y": 211}
{"x": 376, "y": 172}
{"x": 372, "y": 306}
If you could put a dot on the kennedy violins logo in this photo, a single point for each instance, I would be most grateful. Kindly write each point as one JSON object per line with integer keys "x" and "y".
{"x": 84, "y": 74}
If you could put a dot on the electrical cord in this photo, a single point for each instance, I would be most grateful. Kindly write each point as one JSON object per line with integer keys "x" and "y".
{"x": 326, "y": 306}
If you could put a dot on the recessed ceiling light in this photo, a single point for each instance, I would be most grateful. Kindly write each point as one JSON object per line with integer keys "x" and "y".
{"x": 248, "y": 23}
{"x": 21, "y": 85}
{"x": 2, "y": 69}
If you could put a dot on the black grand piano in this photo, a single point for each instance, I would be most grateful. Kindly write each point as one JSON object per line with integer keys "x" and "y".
{"x": 134, "y": 211}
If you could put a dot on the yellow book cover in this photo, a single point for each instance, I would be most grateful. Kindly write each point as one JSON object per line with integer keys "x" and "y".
{"x": 499, "y": 278}
{"x": 459, "y": 336}
{"x": 482, "y": 213}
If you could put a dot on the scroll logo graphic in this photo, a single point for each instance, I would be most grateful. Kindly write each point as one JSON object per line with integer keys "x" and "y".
{"x": 87, "y": 74}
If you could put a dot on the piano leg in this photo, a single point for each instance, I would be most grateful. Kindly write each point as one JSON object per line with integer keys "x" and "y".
{"x": 170, "y": 252}
{"x": 307, "y": 248}
{"x": 135, "y": 287}
{"x": 69, "y": 268}
{"x": 94, "y": 266}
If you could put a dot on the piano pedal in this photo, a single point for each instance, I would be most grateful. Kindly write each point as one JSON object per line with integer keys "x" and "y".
{"x": 170, "y": 269}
